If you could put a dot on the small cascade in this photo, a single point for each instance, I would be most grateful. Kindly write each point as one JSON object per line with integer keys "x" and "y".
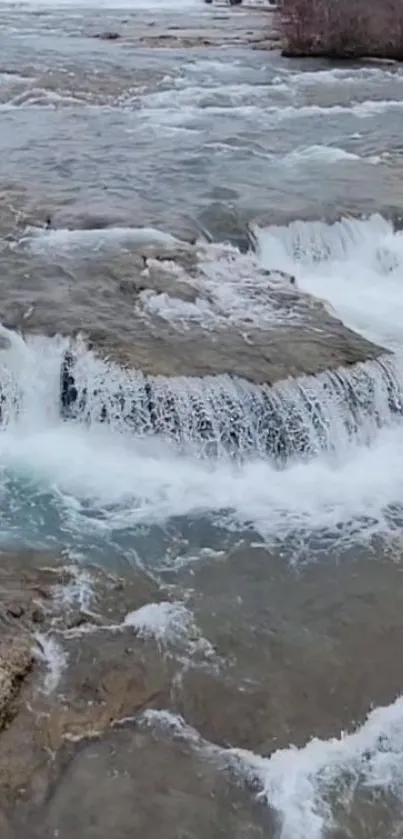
{"x": 44, "y": 381}
{"x": 29, "y": 379}
{"x": 224, "y": 415}
{"x": 354, "y": 266}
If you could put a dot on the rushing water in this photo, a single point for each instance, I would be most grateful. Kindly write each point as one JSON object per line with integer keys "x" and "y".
{"x": 213, "y": 484}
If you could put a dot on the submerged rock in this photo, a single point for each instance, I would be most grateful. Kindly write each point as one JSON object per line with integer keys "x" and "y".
{"x": 134, "y": 783}
{"x": 108, "y": 36}
{"x": 5, "y": 343}
{"x": 223, "y": 223}
{"x": 76, "y": 754}
{"x": 99, "y": 750}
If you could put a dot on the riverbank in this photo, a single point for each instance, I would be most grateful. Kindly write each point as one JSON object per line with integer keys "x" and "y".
{"x": 344, "y": 32}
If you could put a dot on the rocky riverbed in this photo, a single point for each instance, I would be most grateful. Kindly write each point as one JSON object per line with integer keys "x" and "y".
{"x": 92, "y": 683}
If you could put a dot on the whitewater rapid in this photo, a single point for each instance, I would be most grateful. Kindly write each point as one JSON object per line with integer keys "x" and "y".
{"x": 106, "y": 477}
{"x": 354, "y": 265}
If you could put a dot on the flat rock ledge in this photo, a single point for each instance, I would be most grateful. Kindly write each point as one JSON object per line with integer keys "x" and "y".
{"x": 121, "y": 319}
{"x": 319, "y": 342}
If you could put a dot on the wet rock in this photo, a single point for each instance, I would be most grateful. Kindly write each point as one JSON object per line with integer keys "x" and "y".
{"x": 37, "y": 615}
{"x": 4, "y": 342}
{"x": 83, "y": 618}
{"x": 108, "y": 36}
{"x": 68, "y": 389}
{"x": 99, "y": 688}
{"x": 87, "y": 216}
{"x": 5, "y": 828}
{"x": 16, "y": 661}
{"x": 15, "y": 610}
{"x": 225, "y": 224}
{"x": 26, "y": 588}
{"x": 59, "y": 747}
{"x": 267, "y": 44}
{"x": 304, "y": 339}
{"x": 81, "y": 760}
{"x": 110, "y": 674}
{"x": 262, "y": 357}
{"x": 134, "y": 782}
{"x": 309, "y": 650}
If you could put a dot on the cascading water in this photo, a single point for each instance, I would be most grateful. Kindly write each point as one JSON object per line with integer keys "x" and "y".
{"x": 222, "y": 414}
{"x": 97, "y": 448}
{"x": 354, "y": 264}
{"x": 29, "y": 380}
{"x": 41, "y": 381}
{"x": 130, "y": 451}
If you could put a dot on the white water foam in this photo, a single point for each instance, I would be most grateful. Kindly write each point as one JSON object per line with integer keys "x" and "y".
{"x": 78, "y": 592}
{"x": 300, "y": 157}
{"x": 65, "y": 240}
{"x": 280, "y": 99}
{"x": 325, "y": 154}
{"x": 107, "y": 478}
{"x": 211, "y": 96}
{"x": 106, "y": 482}
{"x": 233, "y": 288}
{"x": 297, "y": 783}
{"x": 179, "y": 312}
{"x": 354, "y": 264}
{"x": 263, "y": 118}
{"x": 239, "y": 291}
{"x": 361, "y": 110}
{"x": 169, "y": 623}
{"x": 8, "y": 77}
{"x": 30, "y": 381}
{"x": 40, "y": 97}
{"x": 53, "y": 656}
{"x": 339, "y": 75}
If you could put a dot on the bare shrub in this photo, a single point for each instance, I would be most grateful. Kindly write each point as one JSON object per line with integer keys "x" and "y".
{"x": 343, "y": 28}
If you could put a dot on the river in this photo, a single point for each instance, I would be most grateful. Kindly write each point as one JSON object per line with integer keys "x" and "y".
{"x": 182, "y": 128}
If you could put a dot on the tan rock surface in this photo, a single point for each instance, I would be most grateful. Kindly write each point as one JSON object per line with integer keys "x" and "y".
{"x": 73, "y": 760}
{"x": 78, "y": 759}
{"x": 305, "y": 338}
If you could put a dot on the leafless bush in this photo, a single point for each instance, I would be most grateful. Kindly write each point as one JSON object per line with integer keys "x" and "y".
{"x": 343, "y": 28}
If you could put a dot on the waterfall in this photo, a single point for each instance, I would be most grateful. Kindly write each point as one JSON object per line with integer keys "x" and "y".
{"x": 41, "y": 380}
